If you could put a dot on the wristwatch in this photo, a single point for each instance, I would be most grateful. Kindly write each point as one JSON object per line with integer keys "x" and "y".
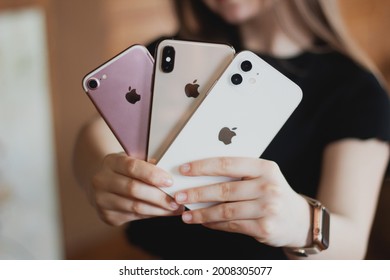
{"x": 320, "y": 230}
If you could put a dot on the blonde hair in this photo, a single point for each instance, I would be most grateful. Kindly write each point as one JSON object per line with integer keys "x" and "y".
{"x": 324, "y": 19}
{"x": 321, "y": 18}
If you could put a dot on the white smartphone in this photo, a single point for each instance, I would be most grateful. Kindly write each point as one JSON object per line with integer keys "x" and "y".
{"x": 184, "y": 71}
{"x": 240, "y": 116}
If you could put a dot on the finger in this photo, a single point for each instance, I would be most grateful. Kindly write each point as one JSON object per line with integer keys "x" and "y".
{"x": 227, "y": 191}
{"x": 152, "y": 195}
{"x": 139, "y": 169}
{"x": 117, "y": 203}
{"x": 125, "y": 187}
{"x": 236, "y": 167}
{"x": 252, "y": 209}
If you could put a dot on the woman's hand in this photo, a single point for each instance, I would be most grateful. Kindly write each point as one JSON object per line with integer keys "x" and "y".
{"x": 125, "y": 189}
{"x": 260, "y": 204}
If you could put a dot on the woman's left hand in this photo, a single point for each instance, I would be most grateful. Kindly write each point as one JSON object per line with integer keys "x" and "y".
{"x": 260, "y": 203}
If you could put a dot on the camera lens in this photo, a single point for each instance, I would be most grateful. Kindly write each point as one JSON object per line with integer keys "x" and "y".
{"x": 236, "y": 79}
{"x": 93, "y": 83}
{"x": 168, "y": 59}
{"x": 246, "y": 66}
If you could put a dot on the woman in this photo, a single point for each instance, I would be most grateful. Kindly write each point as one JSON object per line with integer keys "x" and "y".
{"x": 334, "y": 148}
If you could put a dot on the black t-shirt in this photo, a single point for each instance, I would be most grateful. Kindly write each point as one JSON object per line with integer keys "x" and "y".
{"x": 340, "y": 100}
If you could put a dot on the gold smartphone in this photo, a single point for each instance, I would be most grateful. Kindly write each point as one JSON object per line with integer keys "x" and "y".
{"x": 183, "y": 72}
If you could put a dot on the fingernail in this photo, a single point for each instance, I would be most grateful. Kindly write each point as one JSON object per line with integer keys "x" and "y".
{"x": 185, "y": 168}
{"x": 174, "y": 205}
{"x": 181, "y": 197}
{"x": 187, "y": 217}
{"x": 167, "y": 182}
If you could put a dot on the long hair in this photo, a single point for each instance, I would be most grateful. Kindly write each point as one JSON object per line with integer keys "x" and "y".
{"x": 321, "y": 18}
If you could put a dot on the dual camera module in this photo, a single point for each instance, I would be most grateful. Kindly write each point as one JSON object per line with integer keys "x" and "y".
{"x": 168, "y": 59}
{"x": 245, "y": 66}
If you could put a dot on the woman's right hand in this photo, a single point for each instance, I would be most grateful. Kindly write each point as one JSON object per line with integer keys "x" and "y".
{"x": 125, "y": 189}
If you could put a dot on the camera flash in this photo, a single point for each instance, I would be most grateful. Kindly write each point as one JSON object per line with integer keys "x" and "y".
{"x": 168, "y": 59}
{"x": 252, "y": 81}
{"x": 104, "y": 77}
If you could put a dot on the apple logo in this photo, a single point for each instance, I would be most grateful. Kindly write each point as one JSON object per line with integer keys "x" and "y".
{"x": 191, "y": 90}
{"x": 132, "y": 96}
{"x": 225, "y": 135}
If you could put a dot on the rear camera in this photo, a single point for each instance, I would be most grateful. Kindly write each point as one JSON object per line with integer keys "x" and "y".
{"x": 246, "y": 66}
{"x": 236, "y": 79}
{"x": 168, "y": 59}
{"x": 93, "y": 83}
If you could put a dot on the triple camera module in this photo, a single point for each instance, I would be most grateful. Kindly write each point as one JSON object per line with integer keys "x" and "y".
{"x": 168, "y": 59}
{"x": 245, "y": 66}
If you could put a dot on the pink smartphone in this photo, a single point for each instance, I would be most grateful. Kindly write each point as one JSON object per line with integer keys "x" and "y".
{"x": 120, "y": 89}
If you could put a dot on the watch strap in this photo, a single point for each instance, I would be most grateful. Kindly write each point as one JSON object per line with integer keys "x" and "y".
{"x": 319, "y": 229}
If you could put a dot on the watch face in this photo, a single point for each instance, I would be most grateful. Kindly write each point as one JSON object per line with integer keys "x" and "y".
{"x": 320, "y": 230}
{"x": 325, "y": 228}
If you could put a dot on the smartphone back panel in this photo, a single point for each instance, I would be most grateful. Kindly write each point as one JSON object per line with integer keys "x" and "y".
{"x": 239, "y": 117}
{"x": 176, "y": 93}
{"x": 121, "y": 91}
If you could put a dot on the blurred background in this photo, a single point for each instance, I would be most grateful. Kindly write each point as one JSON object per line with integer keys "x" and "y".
{"x": 46, "y": 47}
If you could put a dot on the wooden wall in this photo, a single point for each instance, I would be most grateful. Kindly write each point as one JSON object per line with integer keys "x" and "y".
{"x": 84, "y": 34}
{"x": 369, "y": 22}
